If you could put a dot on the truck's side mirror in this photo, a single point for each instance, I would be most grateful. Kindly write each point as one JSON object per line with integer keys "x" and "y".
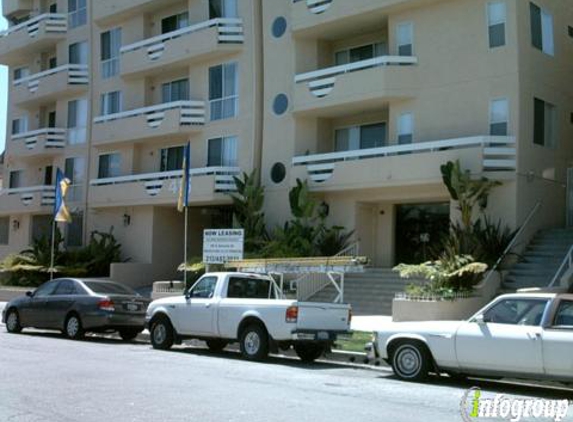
{"x": 480, "y": 319}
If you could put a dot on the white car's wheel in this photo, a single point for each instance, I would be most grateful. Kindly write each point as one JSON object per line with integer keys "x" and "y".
{"x": 411, "y": 361}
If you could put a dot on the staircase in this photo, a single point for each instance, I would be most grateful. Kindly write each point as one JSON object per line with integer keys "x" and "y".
{"x": 369, "y": 293}
{"x": 540, "y": 261}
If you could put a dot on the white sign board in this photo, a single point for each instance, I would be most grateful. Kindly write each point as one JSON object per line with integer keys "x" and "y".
{"x": 221, "y": 246}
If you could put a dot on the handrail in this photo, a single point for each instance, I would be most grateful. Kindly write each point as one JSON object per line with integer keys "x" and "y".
{"x": 32, "y": 189}
{"x": 206, "y": 171}
{"x": 354, "y": 246}
{"x": 180, "y": 32}
{"x": 150, "y": 109}
{"x": 66, "y": 67}
{"x": 565, "y": 265}
{"x": 43, "y": 131}
{"x": 353, "y": 67}
{"x": 513, "y": 241}
{"x": 29, "y": 22}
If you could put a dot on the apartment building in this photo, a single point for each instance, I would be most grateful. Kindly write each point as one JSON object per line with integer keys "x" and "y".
{"x": 111, "y": 91}
{"x": 367, "y": 99}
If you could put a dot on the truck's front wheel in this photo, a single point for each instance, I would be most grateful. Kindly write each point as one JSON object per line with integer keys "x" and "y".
{"x": 254, "y": 342}
{"x": 309, "y": 352}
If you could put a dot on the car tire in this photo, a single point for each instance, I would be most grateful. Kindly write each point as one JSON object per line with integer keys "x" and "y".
{"x": 310, "y": 352}
{"x": 129, "y": 334}
{"x": 216, "y": 345}
{"x": 13, "y": 325}
{"x": 254, "y": 342}
{"x": 411, "y": 361}
{"x": 73, "y": 327}
{"x": 162, "y": 334}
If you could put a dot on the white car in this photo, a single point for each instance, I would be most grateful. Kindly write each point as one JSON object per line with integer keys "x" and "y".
{"x": 223, "y": 308}
{"x": 527, "y": 335}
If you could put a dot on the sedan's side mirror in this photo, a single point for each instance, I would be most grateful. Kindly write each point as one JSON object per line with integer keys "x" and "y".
{"x": 480, "y": 319}
{"x": 30, "y": 294}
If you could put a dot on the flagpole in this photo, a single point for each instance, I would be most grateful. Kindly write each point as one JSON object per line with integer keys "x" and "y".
{"x": 185, "y": 248}
{"x": 52, "y": 257}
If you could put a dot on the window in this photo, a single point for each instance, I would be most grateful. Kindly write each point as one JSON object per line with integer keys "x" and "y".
{"x": 223, "y": 9}
{"x": 222, "y": 152}
{"x": 16, "y": 179}
{"x": 175, "y": 22}
{"x": 53, "y": 8}
{"x": 570, "y": 31}
{"x": 46, "y": 289}
{"x": 48, "y": 175}
{"x": 109, "y": 165}
{"x": 4, "y": 230}
{"x": 496, "y": 19}
{"x": 175, "y": 91}
{"x": 20, "y": 125}
{"x": 204, "y": 288}
{"x": 171, "y": 159}
{"x": 542, "y": 29}
{"x": 78, "y": 53}
{"x": 109, "y": 288}
{"x": 357, "y": 54}
{"x": 51, "y": 122}
{"x": 75, "y": 230}
{"x": 21, "y": 72}
{"x": 110, "y": 46}
{"x": 111, "y": 103}
{"x": 517, "y": 312}
{"x": 544, "y": 132}
{"x": 405, "y": 39}
{"x": 65, "y": 288}
{"x": 78, "y": 14}
{"x": 75, "y": 171}
{"x": 360, "y": 137}
{"x": 249, "y": 288}
{"x": 77, "y": 121}
{"x": 564, "y": 314}
{"x": 52, "y": 62}
{"x": 223, "y": 91}
{"x": 498, "y": 117}
{"x": 405, "y": 128}
{"x": 41, "y": 227}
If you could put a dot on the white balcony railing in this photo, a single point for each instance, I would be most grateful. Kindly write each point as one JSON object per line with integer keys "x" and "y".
{"x": 46, "y": 194}
{"x": 192, "y": 113}
{"x": 230, "y": 30}
{"x": 77, "y": 75}
{"x": 224, "y": 181}
{"x": 499, "y": 154}
{"x": 55, "y": 22}
{"x": 54, "y": 138}
{"x": 316, "y": 6}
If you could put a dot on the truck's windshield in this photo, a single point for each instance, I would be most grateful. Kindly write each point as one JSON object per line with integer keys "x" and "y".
{"x": 250, "y": 288}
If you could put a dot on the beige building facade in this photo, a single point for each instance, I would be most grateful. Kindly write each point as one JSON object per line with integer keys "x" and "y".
{"x": 365, "y": 99}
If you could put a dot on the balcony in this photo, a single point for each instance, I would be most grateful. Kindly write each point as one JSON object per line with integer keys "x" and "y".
{"x": 105, "y": 12}
{"x": 163, "y": 120}
{"x": 209, "y": 186}
{"x": 10, "y": 7}
{"x": 207, "y": 40}
{"x": 39, "y": 143}
{"x": 403, "y": 165}
{"x": 50, "y": 85}
{"x": 36, "y": 199}
{"x": 32, "y": 36}
{"x": 355, "y": 87}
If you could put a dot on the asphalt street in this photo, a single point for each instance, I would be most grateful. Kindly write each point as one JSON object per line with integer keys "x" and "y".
{"x": 44, "y": 377}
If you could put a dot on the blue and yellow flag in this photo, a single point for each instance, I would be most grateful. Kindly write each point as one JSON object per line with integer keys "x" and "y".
{"x": 61, "y": 212}
{"x": 183, "y": 201}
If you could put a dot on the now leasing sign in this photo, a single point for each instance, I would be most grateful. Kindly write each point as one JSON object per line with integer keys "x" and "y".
{"x": 221, "y": 246}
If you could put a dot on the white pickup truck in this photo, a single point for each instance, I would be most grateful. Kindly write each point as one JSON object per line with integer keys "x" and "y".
{"x": 223, "y": 308}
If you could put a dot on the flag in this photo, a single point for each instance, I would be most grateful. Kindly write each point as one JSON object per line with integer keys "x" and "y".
{"x": 183, "y": 201}
{"x": 61, "y": 212}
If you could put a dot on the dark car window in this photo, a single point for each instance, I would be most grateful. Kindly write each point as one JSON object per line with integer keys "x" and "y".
{"x": 46, "y": 289}
{"x": 204, "y": 288}
{"x": 109, "y": 288}
{"x": 65, "y": 288}
{"x": 564, "y": 315}
{"x": 249, "y": 288}
{"x": 517, "y": 312}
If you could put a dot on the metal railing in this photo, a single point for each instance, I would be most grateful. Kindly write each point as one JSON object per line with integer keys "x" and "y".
{"x": 77, "y": 74}
{"x": 55, "y": 22}
{"x": 351, "y": 250}
{"x": 192, "y": 112}
{"x": 53, "y": 138}
{"x": 563, "y": 268}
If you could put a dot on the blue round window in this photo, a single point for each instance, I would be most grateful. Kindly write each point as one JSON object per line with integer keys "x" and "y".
{"x": 280, "y": 104}
{"x": 279, "y": 27}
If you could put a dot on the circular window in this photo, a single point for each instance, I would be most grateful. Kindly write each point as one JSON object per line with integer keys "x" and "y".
{"x": 279, "y": 27}
{"x": 278, "y": 172}
{"x": 280, "y": 104}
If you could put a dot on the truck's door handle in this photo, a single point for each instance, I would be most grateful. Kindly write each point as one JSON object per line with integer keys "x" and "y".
{"x": 207, "y": 305}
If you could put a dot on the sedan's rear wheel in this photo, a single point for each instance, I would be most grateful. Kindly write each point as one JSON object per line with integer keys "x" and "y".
{"x": 216, "y": 345}
{"x": 309, "y": 352}
{"x": 411, "y": 361}
{"x": 13, "y": 322}
{"x": 73, "y": 328}
{"x": 129, "y": 334}
{"x": 162, "y": 336}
